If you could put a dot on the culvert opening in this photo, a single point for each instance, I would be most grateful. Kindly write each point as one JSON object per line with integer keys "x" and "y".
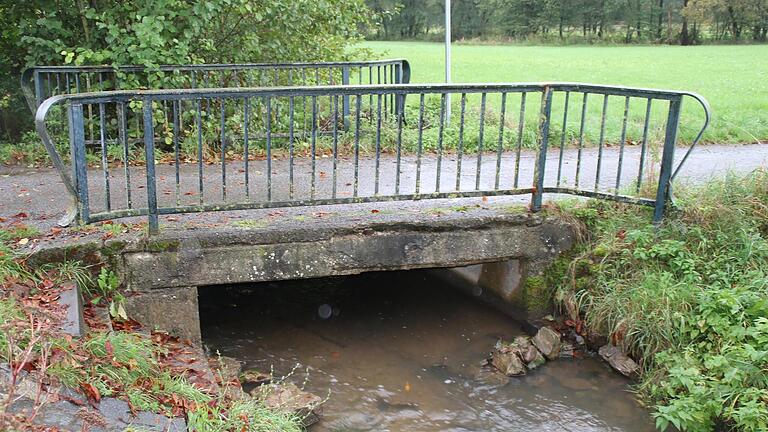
{"x": 402, "y": 351}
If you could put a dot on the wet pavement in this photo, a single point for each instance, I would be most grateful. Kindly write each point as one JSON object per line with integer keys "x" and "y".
{"x": 42, "y": 196}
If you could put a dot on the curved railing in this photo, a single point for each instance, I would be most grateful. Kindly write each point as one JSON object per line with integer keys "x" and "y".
{"x": 249, "y": 148}
{"x": 41, "y": 82}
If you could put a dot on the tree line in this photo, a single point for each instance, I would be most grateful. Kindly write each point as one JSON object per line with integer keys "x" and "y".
{"x": 684, "y": 22}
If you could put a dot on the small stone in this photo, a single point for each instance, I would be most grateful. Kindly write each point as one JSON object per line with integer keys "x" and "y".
{"x": 548, "y": 342}
{"x": 255, "y": 377}
{"x": 566, "y": 350}
{"x": 618, "y": 360}
{"x": 291, "y": 398}
{"x": 529, "y": 353}
{"x": 595, "y": 340}
{"x": 579, "y": 340}
{"x": 227, "y": 368}
{"x": 507, "y": 360}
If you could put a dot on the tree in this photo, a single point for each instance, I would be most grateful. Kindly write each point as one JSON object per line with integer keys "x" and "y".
{"x": 154, "y": 32}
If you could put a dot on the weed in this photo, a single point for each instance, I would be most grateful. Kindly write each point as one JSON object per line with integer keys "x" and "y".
{"x": 688, "y": 298}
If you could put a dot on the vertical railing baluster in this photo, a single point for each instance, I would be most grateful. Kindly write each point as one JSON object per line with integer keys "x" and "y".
{"x": 460, "y": 146}
{"x": 664, "y": 191}
{"x": 419, "y": 143}
{"x": 79, "y": 164}
{"x": 581, "y": 137}
{"x": 378, "y": 144}
{"x": 345, "y": 98}
{"x": 122, "y": 134}
{"x": 149, "y": 149}
{"x": 621, "y": 145}
{"x": 223, "y": 139}
{"x": 541, "y": 155}
{"x": 601, "y": 143}
{"x": 562, "y": 138}
{"x": 358, "y": 107}
{"x": 199, "y": 124}
{"x": 314, "y": 145}
{"x": 268, "y": 103}
{"x": 480, "y": 142}
{"x": 644, "y": 145}
{"x": 104, "y": 160}
{"x": 399, "y": 144}
{"x": 500, "y": 145}
{"x": 246, "y": 146}
{"x": 336, "y": 138}
{"x": 440, "y": 132}
{"x": 291, "y": 106}
{"x": 176, "y": 105}
{"x": 520, "y": 130}
{"x": 386, "y": 97}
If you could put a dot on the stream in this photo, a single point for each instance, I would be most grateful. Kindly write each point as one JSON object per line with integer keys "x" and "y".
{"x": 400, "y": 351}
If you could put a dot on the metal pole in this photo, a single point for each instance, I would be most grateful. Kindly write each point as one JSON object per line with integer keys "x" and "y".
{"x": 448, "y": 59}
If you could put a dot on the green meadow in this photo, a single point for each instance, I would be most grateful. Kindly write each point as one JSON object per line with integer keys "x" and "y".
{"x": 733, "y": 78}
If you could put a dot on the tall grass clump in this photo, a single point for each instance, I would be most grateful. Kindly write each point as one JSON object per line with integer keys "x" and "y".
{"x": 689, "y": 299}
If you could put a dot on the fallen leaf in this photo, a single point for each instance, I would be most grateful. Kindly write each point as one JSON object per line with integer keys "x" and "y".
{"x": 91, "y": 391}
{"x": 23, "y": 241}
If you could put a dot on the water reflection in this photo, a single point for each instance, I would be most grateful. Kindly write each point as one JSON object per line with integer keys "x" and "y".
{"x": 401, "y": 352}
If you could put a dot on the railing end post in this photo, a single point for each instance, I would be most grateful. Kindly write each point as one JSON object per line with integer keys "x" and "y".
{"x": 541, "y": 157}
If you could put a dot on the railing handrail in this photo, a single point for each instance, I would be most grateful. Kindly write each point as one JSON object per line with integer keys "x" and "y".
{"x": 674, "y": 96}
{"x": 27, "y": 74}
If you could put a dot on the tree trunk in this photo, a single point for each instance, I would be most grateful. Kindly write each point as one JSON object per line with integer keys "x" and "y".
{"x": 660, "y": 19}
{"x": 685, "y": 37}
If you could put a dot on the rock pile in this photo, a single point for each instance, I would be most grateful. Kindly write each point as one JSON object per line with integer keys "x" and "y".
{"x": 524, "y": 353}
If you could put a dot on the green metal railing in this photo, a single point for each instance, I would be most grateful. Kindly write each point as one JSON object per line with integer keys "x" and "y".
{"x": 299, "y": 146}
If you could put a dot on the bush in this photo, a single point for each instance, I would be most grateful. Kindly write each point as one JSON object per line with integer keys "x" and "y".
{"x": 689, "y": 299}
{"x": 157, "y": 32}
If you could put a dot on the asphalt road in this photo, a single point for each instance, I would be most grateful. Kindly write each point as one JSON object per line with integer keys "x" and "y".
{"x": 40, "y": 194}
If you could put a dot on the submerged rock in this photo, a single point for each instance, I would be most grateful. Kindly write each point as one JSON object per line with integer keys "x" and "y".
{"x": 227, "y": 367}
{"x": 514, "y": 359}
{"x": 618, "y": 360}
{"x": 548, "y": 342}
{"x": 566, "y": 350}
{"x": 291, "y": 398}
{"x": 255, "y": 377}
{"x": 508, "y": 362}
{"x": 529, "y": 353}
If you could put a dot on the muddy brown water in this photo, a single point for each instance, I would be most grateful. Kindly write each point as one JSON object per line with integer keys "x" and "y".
{"x": 401, "y": 352}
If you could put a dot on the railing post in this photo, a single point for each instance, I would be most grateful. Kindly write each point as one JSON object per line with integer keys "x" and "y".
{"x": 664, "y": 191}
{"x": 345, "y": 98}
{"x": 541, "y": 156}
{"x": 400, "y": 101}
{"x": 79, "y": 166}
{"x": 149, "y": 149}
{"x": 38, "y": 89}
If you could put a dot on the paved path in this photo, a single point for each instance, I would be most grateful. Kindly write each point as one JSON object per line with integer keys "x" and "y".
{"x": 40, "y": 194}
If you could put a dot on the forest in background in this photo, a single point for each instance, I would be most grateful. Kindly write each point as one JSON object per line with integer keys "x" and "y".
{"x": 684, "y": 22}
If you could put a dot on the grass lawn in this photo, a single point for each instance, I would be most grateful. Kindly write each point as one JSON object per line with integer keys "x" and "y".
{"x": 733, "y": 78}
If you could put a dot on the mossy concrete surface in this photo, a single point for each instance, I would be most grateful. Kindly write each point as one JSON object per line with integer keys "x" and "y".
{"x": 160, "y": 273}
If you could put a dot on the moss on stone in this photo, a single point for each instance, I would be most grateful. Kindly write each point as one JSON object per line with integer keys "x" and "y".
{"x": 250, "y": 224}
{"x": 539, "y": 295}
{"x": 162, "y": 245}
